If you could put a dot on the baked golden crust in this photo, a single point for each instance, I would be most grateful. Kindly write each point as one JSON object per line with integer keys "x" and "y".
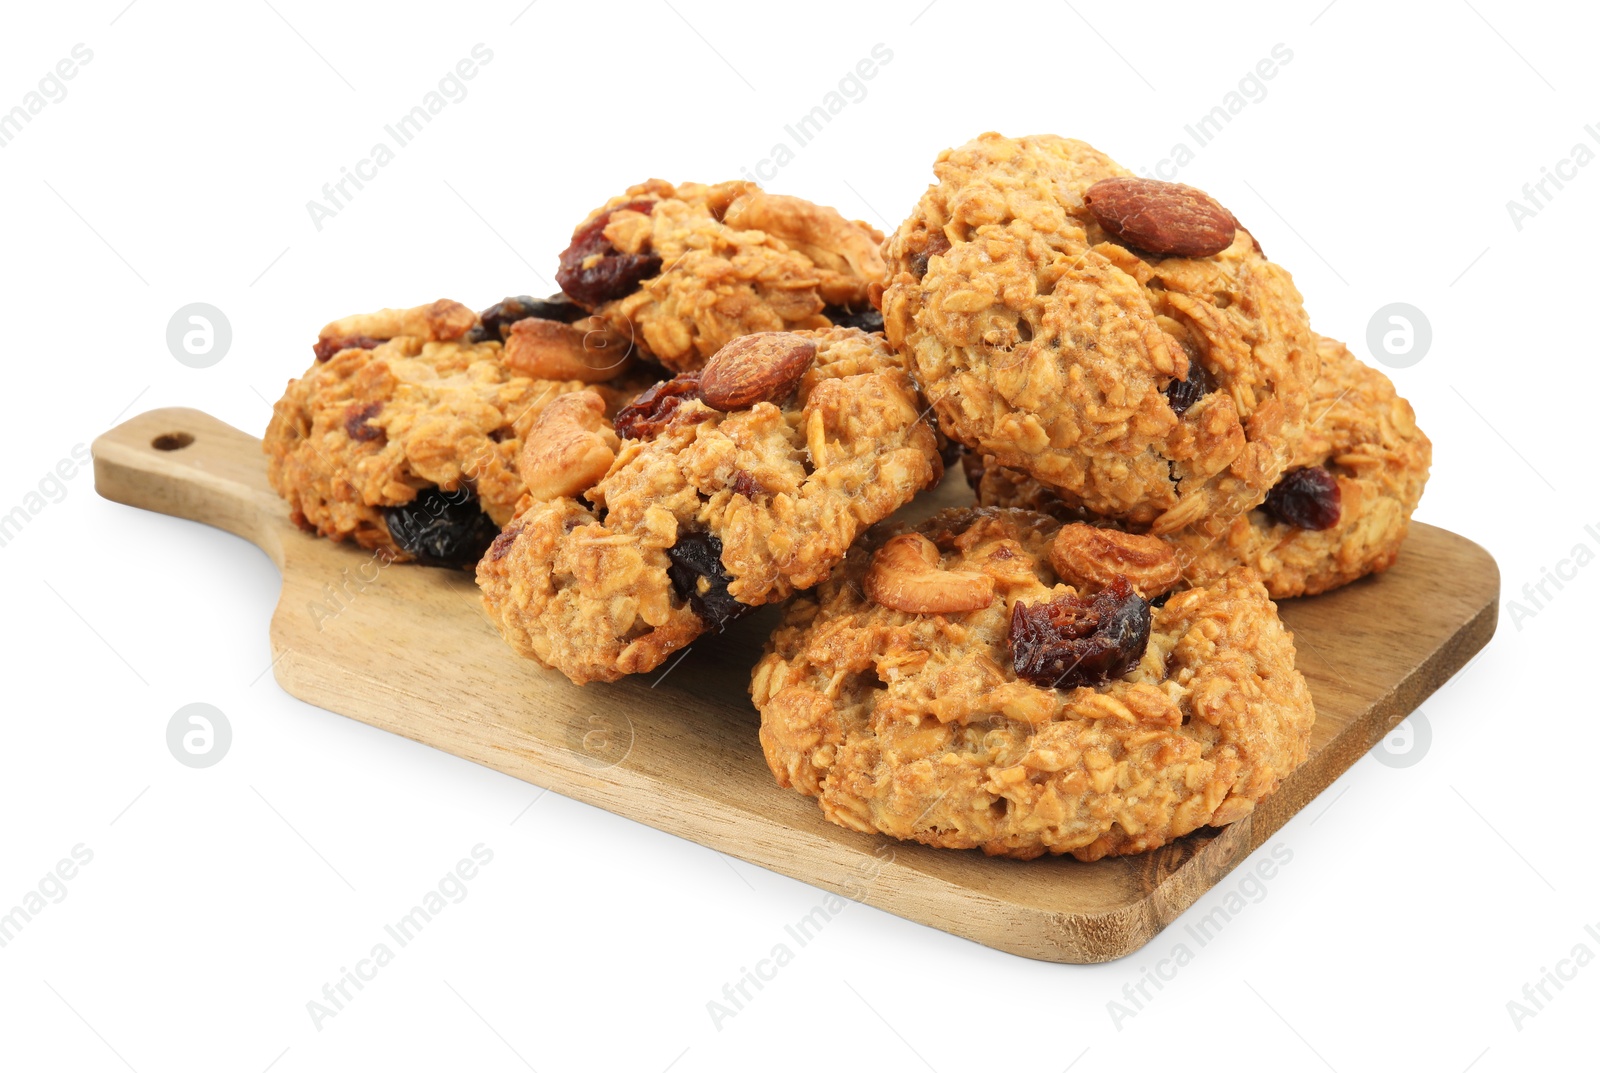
{"x": 735, "y": 260}
{"x": 1366, "y": 435}
{"x": 1048, "y": 346}
{"x": 782, "y": 489}
{"x": 1359, "y": 430}
{"x": 917, "y": 726}
{"x": 411, "y": 405}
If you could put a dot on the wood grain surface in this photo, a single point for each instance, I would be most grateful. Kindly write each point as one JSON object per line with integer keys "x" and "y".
{"x": 408, "y": 649}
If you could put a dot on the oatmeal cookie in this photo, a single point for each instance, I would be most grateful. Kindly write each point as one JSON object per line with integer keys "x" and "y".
{"x": 684, "y": 269}
{"x": 730, "y": 488}
{"x": 1123, "y": 341}
{"x": 1339, "y": 513}
{"x": 1344, "y": 508}
{"x": 404, "y": 434}
{"x": 1048, "y": 716}
{"x": 995, "y": 485}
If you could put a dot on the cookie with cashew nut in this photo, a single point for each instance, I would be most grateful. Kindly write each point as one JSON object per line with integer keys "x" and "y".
{"x": 1123, "y": 341}
{"x": 1340, "y": 512}
{"x": 731, "y": 487}
{"x": 984, "y": 681}
{"x": 570, "y": 446}
{"x": 404, "y": 434}
{"x": 682, "y": 270}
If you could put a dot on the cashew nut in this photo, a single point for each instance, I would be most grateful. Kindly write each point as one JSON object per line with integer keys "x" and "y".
{"x": 906, "y": 575}
{"x": 569, "y": 448}
{"x": 551, "y": 350}
{"x": 1092, "y": 558}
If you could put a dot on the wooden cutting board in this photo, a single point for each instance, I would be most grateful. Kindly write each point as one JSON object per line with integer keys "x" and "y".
{"x": 408, "y": 649}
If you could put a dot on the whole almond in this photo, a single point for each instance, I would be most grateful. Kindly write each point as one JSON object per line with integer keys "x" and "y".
{"x": 1167, "y": 219}
{"x": 765, "y": 367}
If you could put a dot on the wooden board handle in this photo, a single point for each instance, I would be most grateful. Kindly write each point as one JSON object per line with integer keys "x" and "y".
{"x": 190, "y": 465}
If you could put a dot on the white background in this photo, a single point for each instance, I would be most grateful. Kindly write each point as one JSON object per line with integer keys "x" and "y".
{"x": 1418, "y": 901}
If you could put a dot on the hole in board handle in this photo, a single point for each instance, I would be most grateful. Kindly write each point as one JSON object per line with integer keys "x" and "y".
{"x": 172, "y": 441}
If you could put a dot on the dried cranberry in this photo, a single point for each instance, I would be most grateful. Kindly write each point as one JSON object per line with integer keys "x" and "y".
{"x": 936, "y": 246}
{"x": 867, "y": 319}
{"x": 355, "y": 422}
{"x": 1306, "y": 498}
{"x": 1182, "y": 394}
{"x": 496, "y": 321}
{"x": 697, "y": 575}
{"x": 653, "y": 410}
{"x": 442, "y": 528}
{"x": 615, "y": 274}
{"x": 327, "y": 348}
{"x": 746, "y": 485}
{"x": 501, "y": 547}
{"x": 1077, "y": 640}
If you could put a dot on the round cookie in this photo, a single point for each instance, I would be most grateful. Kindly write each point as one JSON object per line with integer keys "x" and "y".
{"x": 995, "y": 485}
{"x": 729, "y": 489}
{"x": 405, "y": 432}
{"x": 682, "y": 270}
{"x": 1158, "y": 383}
{"x": 1360, "y": 434}
{"x": 1362, "y": 443}
{"x": 1007, "y": 727}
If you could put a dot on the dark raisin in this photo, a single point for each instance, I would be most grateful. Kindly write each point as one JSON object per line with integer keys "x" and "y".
{"x": 327, "y": 348}
{"x": 1080, "y": 640}
{"x": 613, "y": 274}
{"x": 936, "y": 246}
{"x": 652, "y": 411}
{"x": 1182, "y": 394}
{"x": 442, "y": 528}
{"x": 501, "y": 546}
{"x": 355, "y": 422}
{"x": 972, "y": 466}
{"x": 866, "y": 318}
{"x": 1306, "y": 498}
{"x": 746, "y": 485}
{"x": 496, "y": 321}
{"x": 951, "y": 452}
{"x": 697, "y": 575}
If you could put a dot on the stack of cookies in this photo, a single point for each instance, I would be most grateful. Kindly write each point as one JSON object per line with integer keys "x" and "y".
{"x": 735, "y": 392}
